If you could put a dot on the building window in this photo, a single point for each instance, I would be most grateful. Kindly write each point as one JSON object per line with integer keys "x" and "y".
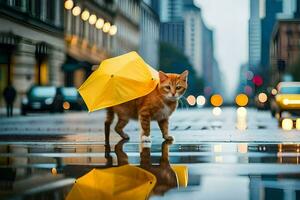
{"x": 50, "y": 11}
{"x": 37, "y": 8}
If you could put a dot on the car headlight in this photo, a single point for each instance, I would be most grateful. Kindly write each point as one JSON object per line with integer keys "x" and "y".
{"x": 285, "y": 101}
{"x": 49, "y": 101}
{"x": 25, "y": 101}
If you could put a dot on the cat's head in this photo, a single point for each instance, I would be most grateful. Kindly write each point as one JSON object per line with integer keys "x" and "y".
{"x": 173, "y": 86}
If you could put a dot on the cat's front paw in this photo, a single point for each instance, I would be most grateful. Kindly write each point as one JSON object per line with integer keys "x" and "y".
{"x": 169, "y": 138}
{"x": 146, "y": 139}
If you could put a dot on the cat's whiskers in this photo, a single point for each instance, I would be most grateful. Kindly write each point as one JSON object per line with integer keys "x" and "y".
{"x": 184, "y": 103}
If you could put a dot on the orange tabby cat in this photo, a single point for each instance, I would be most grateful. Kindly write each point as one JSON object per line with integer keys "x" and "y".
{"x": 157, "y": 105}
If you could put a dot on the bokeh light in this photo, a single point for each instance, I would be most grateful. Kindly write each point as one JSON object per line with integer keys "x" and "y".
{"x": 191, "y": 99}
{"x": 287, "y": 124}
{"x": 241, "y": 118}
{"x": 241, "y": 100}
{"x": 241, "y": 112}
{"x": 257, "y": 80}
{"x": 274, "y": 91}
{"x": 218, "y": 148}
{"x": 262, "y": 97}
{"x": 249, "y": 75}
{"x": 54, "y": 171}
{"x": 298, "y": 124}
{"x": 66, "y": 105}
{"x": 207, "y": 91}
{"x": 106, "y": 27}
{"x": 85, "y": 15}
{"x": 92, "y": 19}
{"x": 113, "y": 30}
{"x": 242, "y": 148}
{"x": 69, "y": 4}
{"x": 217, "y": 111}
{"x": 99, "y": 23}
{"x": 76, "y": 11}
{"x": 201, "y": 100}
{"x": 248, "y": 90}
{"x": 216, "y": 100}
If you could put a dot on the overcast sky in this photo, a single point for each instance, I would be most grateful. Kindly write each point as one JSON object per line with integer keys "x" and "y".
{"x": 229, "y": 20}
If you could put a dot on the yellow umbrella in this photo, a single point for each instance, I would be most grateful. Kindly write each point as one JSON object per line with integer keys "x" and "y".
{"x": 181, "y": 172}
{"x": 125, "y": 182}
{"x": 118, "y": 80}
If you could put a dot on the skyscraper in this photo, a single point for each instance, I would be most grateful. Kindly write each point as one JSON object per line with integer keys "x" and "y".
{"x": 289, "y": 7}
{"x": 267, "y": 24}
{"x": 168, "y": 10}
{"x": 193, "y": 37}
{"x": 254, "y": 35}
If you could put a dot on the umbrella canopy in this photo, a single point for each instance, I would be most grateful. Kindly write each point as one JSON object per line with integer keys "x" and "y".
{"x": 125, "y": 182}
{"x": 181, "y": 172}
{"x": 118, "y": 80}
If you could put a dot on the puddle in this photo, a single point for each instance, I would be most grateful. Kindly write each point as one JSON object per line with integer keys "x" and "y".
{"x": 208, "y": 170}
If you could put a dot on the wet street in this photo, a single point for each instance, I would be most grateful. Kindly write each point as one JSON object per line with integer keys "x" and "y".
{"x": 212, "y": 157}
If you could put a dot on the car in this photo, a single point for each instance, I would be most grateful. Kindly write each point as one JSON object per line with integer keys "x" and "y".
{"x": 287, "y": 99}
{"x": 41, "y": 98}
{"x": 71, "y": 98}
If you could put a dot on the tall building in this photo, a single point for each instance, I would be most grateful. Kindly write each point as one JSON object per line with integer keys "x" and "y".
{"x": 56, "y": 42}
{"x": 173, "y": 34}
{"x": 285, "y": 49}
{"x": 149, "y": 35}
{"x": 254, "y": 34}
{"x": 89, "y": 34}
{"x": 272, "y": 9}
{"x": 193, "y": 37}
{"x": 289, "y": 8}
{"x": 31, "y": 44}
{"x": 168, "y": 10}
{"x": 170, "y": 13}
{"x": 127, "y": 19}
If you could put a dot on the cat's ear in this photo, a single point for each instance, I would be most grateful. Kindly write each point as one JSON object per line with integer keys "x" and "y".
{"x": 162, "y": 76}
{"x": 184, "y": 75}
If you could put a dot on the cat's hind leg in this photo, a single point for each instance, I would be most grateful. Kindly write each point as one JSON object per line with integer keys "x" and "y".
{"x": 122, "y": 122}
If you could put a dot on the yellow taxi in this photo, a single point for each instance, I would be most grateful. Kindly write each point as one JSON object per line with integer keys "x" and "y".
{"x": 288, "y": 97}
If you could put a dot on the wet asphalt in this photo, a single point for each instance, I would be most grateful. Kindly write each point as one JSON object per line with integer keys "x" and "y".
{"x": 41, "y": 156}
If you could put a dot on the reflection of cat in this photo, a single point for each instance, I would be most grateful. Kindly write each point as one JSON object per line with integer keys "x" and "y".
{"x": 166, "y": 177}
{"x": 157, "y": 105}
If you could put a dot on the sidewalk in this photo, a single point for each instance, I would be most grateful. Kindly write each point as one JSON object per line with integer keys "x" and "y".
{"x": 187, "y": 126}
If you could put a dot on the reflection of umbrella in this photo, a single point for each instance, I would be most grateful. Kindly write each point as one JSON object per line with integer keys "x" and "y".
{"x": 181, "y": 172}
{"x": 126, "y": 182}
{"x": 118, "y": 80}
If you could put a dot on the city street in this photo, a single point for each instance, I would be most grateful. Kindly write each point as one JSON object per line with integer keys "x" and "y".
{"x": 42, "y": 155}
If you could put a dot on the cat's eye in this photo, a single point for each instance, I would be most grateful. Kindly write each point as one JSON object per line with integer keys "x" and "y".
{"x": 178, "y": 87}
{"x": 168, "y": 87}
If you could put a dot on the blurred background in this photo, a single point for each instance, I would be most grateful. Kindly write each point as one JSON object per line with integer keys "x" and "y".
{"x": 230, "y": 47}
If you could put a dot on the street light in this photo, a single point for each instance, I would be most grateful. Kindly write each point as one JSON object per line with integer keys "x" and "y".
{"x": 69, "y": 4}
{"x": 106, "y": 27}
{"x": 99, "y": 23}
{"x": 113, "y": 30}
{"x": 76, "y": 11}
{"x": 92, "y": 19}
{"x": 85, "y": 15}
